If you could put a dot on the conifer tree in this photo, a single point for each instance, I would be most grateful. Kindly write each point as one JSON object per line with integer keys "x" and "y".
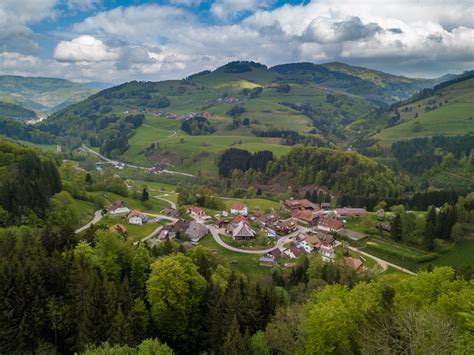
{"x": 396, "y": 229}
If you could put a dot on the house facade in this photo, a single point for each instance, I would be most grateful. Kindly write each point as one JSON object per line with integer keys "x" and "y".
{"x": 329, "y": 224}
{"x": 118, "y": 209}
{"x": 239, "y": 208}
{"x": 197, "y": 212}
{"x": 136, "y": 217}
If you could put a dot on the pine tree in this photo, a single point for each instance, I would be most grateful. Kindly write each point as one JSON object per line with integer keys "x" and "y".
{"x": 430, "y": 229}
{"x": 234, "y": 342}
{"x": 396, "y": 228}
{"x": 145, "y": 195}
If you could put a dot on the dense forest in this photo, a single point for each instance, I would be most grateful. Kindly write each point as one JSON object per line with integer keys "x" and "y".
{"x": 345, "y": 173}
{"x": 99, "y": 294}
{"x": 197, "y": 126}
{"x": 27, "y": 183}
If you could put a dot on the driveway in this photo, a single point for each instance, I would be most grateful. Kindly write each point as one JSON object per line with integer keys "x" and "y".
{"x": 97, "y": 218}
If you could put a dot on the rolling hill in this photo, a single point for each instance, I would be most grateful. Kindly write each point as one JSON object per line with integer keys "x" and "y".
{"x": 446, "y": 110}
{"x": 16, "y": 112}
{"x": 245, "y": 104}
{"x": 42, "y": 94}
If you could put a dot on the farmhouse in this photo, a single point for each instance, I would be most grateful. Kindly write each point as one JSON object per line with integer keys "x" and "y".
{"x": 118, "y": 209}
{"x": 179, "y": 228}
{"x": 329, "y": 224}
{"x": 275, "y": 253}
{"x": 196, "y": 231}
{"x": 239, "y": 208}
{"x": 349, "y": 212}
{"x": 242, "y": 231}
{"x": 287, "y": 226}
{"x": 294, "y": 252}
{"x": 196, "y": 212}
{"x": 136, "y": 217}
{"x": 300, "y": 205}
{"x": 268, "y": 218}
{"x": 307, "y": 217}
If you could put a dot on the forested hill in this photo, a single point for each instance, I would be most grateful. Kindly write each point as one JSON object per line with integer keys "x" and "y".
{"x": 27, "y": 182}
{"x": 14, "y": 111}
{"x": 42, "y": 94}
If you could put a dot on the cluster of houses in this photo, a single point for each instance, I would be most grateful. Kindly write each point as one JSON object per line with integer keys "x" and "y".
{"x": 120, "y": 209}
{"x": 170, "y": 115}
{"x": 226, "y": 100}
{"x": 303, "y": 243}
{"x": 183, "y": 229}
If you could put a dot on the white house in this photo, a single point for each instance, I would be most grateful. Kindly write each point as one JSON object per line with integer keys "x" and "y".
{"x": 118, "y": 209}
{"x": 306, "y": 246}
{"x": 327, "y": 252}
{"x": 239, "y": 208}
{"x": 136, "y": 217}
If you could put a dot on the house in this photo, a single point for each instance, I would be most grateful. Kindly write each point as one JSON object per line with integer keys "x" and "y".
{"x": 196, "y": 212}
{"x": 328, "y": 224}
{"x": 300, "y": 205}
{"x": 239, "y": 208}
{"x": 119, "y": 229}
{"x": 118, "y": 209}
{"x": 267, "y": 261}
{"x": 178, "y": 228}
{"x": 326, "y": 239}
{"x": 306, "y": 246}
{"x": 326, "y": 206}
{"x": 165, "y": 232}
{"x": 268, "y": 218}
{"x": 271, "y": 233}
{"x": 353, "y": 263}
{"x": 307, "y": 217}
{"x": 294, "y": 252}
{"x": 136, "y": 217}
{"x": 349, "y": 212}
{"x": 275, "y": 253}
{"x": 172, "y": 212}
{"x": 242, "y": 231}
{"x": 327, "y": 252}
{"x": 287, "y": 226}
{"x": 196, "y": 231}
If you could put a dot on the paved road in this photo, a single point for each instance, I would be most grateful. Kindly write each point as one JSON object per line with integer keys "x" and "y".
{"x": 383, "y": 263}
{"x": 130, "y": 165}
{"x": 171, "y": 203}
{"x": 97, "y": 218}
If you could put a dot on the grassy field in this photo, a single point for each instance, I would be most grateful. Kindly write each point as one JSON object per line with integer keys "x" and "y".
{"x": 253, "y": 203}
{"x": 247, "y": 264}
{"x": 85, "y": 210}
{"x": 461, "y": 254}
{"x": 135, "y": 232}
{"x": 454, "y": 115}
{"x": 155, "y": 205}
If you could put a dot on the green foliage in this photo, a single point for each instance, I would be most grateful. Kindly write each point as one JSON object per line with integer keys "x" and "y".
{"x": 17, "y": 112}
{"x": 197, "y": 126}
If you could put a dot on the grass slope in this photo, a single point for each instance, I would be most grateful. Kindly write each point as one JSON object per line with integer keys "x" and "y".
{"x": 453, "y": 115}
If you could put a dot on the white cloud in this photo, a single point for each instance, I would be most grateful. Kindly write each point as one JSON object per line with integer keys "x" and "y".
{"x": 155, "y": 42}
{"x": 84, "y": 49}
{"x": 228, "y": 9}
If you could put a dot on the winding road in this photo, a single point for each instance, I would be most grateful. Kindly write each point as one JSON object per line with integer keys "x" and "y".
{"x": 97, "y": 218}
{"x": 130, "y": 165}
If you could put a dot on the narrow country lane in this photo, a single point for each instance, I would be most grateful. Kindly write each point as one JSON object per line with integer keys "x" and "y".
{"x": 97, "y": 218}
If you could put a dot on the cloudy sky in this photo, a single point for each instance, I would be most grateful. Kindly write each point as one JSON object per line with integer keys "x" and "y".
{"x": 121, "y": 40}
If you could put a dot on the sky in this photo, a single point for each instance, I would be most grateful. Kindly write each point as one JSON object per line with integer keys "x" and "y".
{"x": 121, "y": 40}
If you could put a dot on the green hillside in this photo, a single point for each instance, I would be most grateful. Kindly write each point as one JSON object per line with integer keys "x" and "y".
{"x": 448, "y": 111}
{"x": 17, "y": 112}
{"x": 42, "y": 94}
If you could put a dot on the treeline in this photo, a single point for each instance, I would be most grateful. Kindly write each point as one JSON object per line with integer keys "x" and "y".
{"x": 197, "y": 126}
{"x": 18, "y": 130}
{"x": 200, "y": 196}
{"x": 243, "y": 160}
{"x": 27, "y": 183}
{"x": 241, "y": 67}
{"x": 107, "y": 131}
{"x": 14, "y": 111}
{"x": 291, "y": 137}
{"x": 420, "y": 154}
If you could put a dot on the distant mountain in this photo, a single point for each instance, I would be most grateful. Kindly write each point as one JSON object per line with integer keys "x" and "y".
{"x": 14, "y": 111}
{"x": 97, "y": 85}
{"x": 42, "y": 94}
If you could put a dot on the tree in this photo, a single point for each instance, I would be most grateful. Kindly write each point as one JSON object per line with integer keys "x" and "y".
{"x": 145, "y": 196}
{"x": 259, "y": 344}
{"x": 234, "y": 342}
{"x": 396, "y": 229}
{"x": 175, "y": 290}
{"x": 430, "y": 229}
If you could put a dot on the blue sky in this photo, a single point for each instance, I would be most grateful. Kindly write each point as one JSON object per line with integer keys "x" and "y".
{"x": 116, "y": 41}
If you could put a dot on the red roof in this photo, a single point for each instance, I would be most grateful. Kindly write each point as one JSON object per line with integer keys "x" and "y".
{"x": 240, "y": 218}
{"x": 306, "y": 215}
{"x": 330, "y": 223}
{"x": 353, "y": 263}
{"x": 197, "y": 210}
{"x": 238, "y": 206}
{"x": 136, "y": 213}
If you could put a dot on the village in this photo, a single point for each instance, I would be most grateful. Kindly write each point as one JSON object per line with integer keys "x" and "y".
{"x": 301, "y": 227}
